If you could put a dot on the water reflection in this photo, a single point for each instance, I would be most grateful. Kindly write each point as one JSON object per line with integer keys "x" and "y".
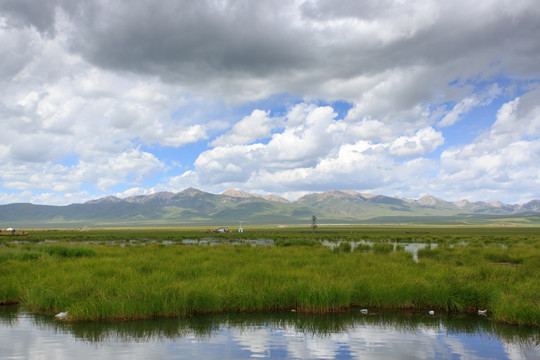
{"x": 348, "y": 335}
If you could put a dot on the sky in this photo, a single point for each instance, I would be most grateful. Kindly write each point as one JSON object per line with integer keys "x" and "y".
{"x": 393, "y": 97}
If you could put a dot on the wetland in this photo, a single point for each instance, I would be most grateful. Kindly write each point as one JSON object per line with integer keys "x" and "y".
{"x": 128, "y": 274}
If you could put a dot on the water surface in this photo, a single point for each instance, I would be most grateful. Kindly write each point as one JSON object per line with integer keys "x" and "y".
{"x": 350, "y": 335}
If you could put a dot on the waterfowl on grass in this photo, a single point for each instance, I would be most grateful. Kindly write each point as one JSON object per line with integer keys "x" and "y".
{"x": 61, "y": 315}
{"x": 363, "y": 311}
{"x": 482, "y": 312}
{"x": 431, "y": 312}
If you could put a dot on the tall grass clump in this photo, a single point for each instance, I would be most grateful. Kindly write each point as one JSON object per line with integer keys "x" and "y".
{"x": 500, "y": 255}
{"x": 296, "y": 242}
{"x": 19, "y": 255}
{"x": 344, "y": 246}
{"x": 67, "y": 251}
{"x": 383, "y": 248}
{"x": 362, "y": 247}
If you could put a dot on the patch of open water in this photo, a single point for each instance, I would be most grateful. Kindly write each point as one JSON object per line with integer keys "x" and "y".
{"x": 349, "y": 335}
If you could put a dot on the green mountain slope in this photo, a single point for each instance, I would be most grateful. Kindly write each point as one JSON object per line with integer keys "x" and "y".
{"x": 195, "y": 207}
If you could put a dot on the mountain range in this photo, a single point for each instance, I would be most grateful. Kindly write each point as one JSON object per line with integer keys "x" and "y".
{"x": 196, "y": 207}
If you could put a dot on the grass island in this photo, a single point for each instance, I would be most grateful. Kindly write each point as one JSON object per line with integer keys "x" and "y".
{"x": 125, "y": 274}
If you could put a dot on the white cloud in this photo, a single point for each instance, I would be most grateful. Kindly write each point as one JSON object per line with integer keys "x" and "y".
{"x": 423, "y": 142}
{"x": 130, "y": 166}
{"x": 256, "y": 126}
{"x": 58, "y": 109}
{"x": 36, "y": 148}
{"x": 467, "y": 104}
{"x": 18, "y": 48}
{"x": 82, "y": 90}
{"x": 228, "y": 163}
{"x": 115, "y": 170}
{"x": 301, "y": 145}
{"x": 46, "y": 198}
{"x": 503, "y": 161}
{"x": 134, "y": 191}
{"x": 316, "y": 151}
{"x": 371, "y": 129}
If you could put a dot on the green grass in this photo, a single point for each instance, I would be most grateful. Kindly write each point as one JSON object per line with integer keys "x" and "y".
{"x": 383, "y": 248}
{"x": 94, "y": 281}
{"x": 435, "y": 234}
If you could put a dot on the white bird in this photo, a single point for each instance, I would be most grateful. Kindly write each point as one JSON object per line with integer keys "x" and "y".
{"x": 61, "y": 315}
{"x": 482, "y": 312}
{"x": 431, "y": 312}
{"x": 363, "y": 311}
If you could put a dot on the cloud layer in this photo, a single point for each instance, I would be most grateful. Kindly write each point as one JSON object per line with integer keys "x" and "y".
{"x": 401, "y": 98}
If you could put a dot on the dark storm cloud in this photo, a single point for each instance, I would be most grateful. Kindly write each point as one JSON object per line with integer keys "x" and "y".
{"x": 182, "y": 40}
{"x": 292, "y": 47}
{"x": 30, "y": 13}
{"x": 40, "y": 14}
{"x": 342, "y": 9}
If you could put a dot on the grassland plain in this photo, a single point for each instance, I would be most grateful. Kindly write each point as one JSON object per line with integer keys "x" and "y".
{"x": 94, "y": 275}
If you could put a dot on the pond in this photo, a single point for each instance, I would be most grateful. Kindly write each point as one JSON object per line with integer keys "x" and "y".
{"x": 411, "y": 247}
{"x": 349, "y": 335}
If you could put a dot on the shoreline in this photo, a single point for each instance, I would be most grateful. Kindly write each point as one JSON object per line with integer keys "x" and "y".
{"x": 353, "y": 309}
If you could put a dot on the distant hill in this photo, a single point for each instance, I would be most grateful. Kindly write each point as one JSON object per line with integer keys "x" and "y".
{"x": 196, "y": 207}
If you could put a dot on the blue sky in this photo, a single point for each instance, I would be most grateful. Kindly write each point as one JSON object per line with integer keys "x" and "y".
{"x": 397, "y": 98}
